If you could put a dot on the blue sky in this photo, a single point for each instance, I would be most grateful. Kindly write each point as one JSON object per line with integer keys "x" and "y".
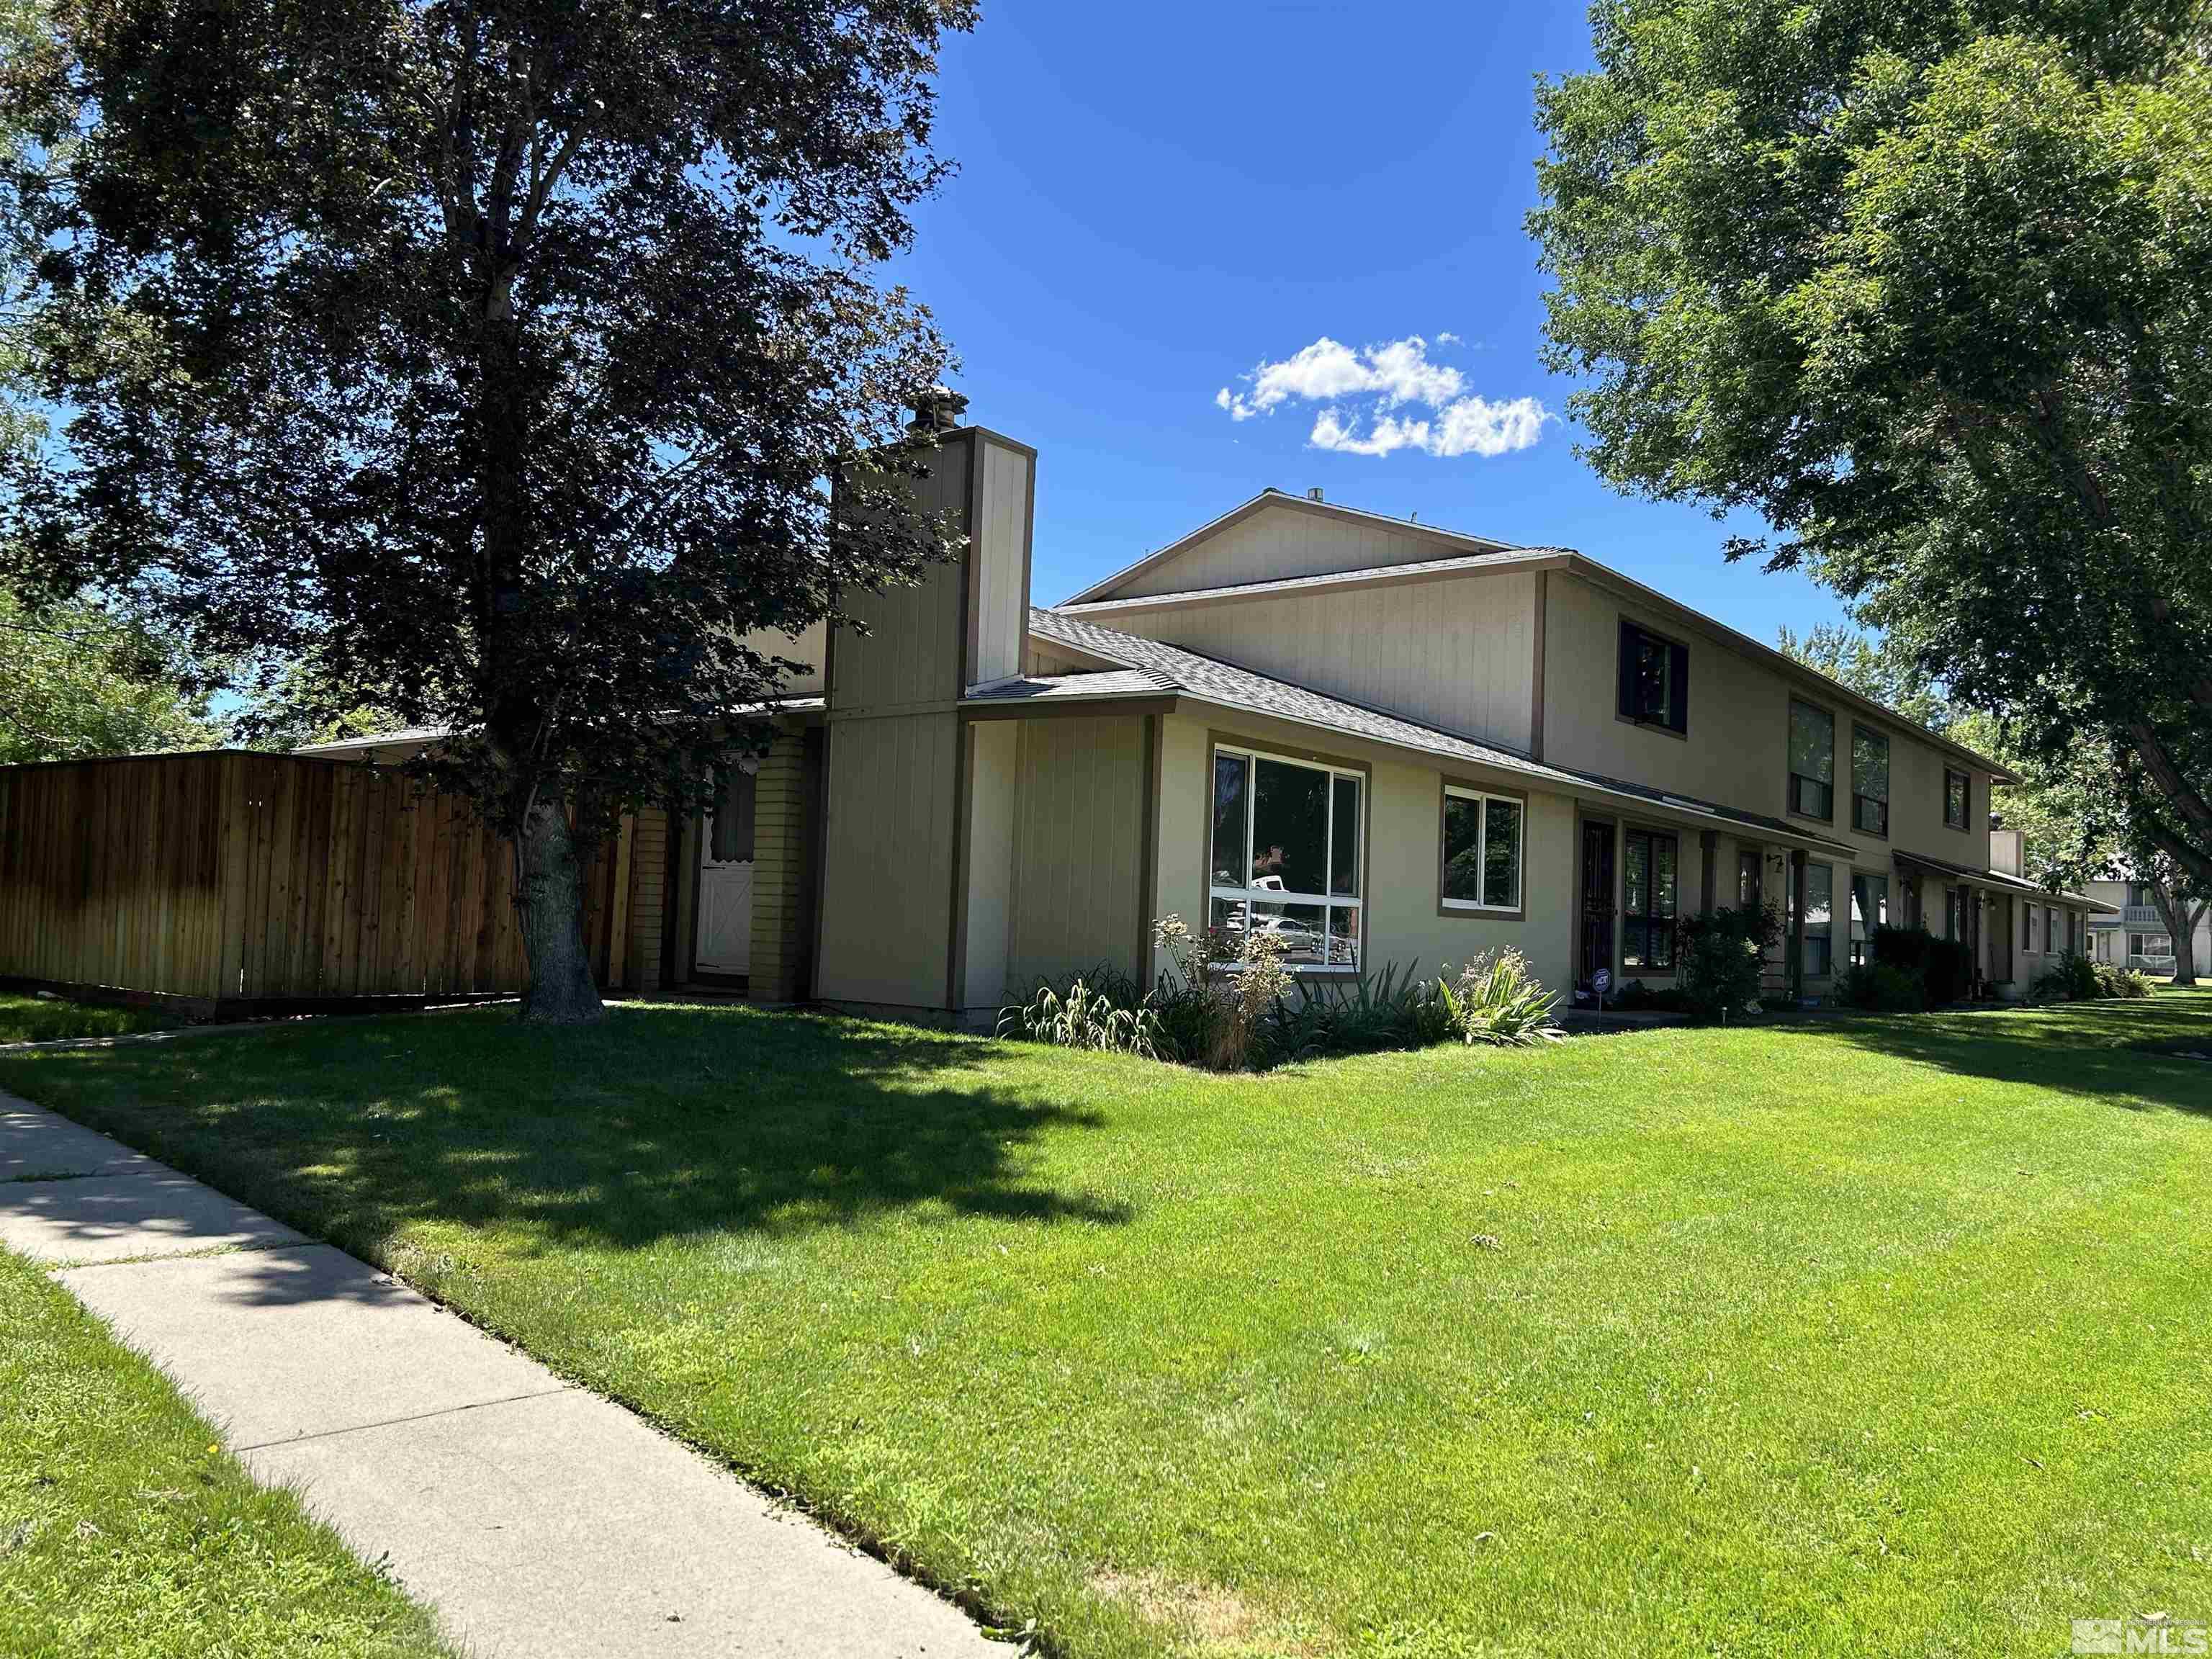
{"x": 1154, "y": 200}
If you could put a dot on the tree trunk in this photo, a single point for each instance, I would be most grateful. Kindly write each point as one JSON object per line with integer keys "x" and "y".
{"x": 552, "y": 903}
{"x": 2173, "y": 911}
{"x": 2184, "y": 943}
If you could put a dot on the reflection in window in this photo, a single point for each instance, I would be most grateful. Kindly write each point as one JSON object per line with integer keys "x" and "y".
{"x": 1812, "y": 761}
{"x": 1820, "y": 902}
{"x": 1647, "y": 901}
{"x": 1481, "y": 850}
{"x": 1869, "y": 910}
{"x": 1285, "y": 862}
{"x": 1869, "y": 782}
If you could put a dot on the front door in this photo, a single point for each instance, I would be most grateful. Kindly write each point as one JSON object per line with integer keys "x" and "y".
{"x": 1598, "y": 907}
{"x": 726, "y": 878}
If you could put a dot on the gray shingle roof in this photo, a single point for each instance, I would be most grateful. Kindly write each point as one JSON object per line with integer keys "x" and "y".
{"x": 1218, "y": 682}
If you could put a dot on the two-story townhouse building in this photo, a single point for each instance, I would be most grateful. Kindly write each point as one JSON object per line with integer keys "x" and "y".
{"x": 1372, "y": 739}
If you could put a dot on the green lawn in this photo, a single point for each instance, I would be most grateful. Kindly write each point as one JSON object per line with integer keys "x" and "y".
{"x": 1841, "y": 1337}
{"x": 45, "y": 1020}
{"x": 125, "y": 1531}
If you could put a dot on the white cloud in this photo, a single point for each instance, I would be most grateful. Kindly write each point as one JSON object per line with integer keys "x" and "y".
{"x": 1373, "y": 382}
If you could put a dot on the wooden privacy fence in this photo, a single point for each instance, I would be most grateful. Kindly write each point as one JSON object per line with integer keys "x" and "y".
{"x": 227, "y": 878}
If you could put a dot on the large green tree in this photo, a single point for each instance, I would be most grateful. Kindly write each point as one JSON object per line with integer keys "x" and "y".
{"x": 1930, "y": 287}
{"x": 491, "y": 355}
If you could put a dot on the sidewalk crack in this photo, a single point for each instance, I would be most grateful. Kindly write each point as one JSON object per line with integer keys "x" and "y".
{"x": 417, "y": 1416}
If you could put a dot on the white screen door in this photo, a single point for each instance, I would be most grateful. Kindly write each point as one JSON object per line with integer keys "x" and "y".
{"x": 726, "y": 878}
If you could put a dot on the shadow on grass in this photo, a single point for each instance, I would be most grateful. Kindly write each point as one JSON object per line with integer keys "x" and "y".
{"x": 2109, "y": 1051}
{"x": 663, "y": 1122}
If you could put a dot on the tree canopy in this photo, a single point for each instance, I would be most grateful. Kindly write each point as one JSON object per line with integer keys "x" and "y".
{"x": 491, "y": 358}
{"x": 1929, "y": 286}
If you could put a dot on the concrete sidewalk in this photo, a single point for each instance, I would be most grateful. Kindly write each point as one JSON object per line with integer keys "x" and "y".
{"x": 536, "y": 1518}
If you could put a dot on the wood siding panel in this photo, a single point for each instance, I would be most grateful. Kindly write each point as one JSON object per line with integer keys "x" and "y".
{"x": 1287, "y": 541}
{"x": 913, "y": 651}
{"x": 1079, "y": 839}
{"x": 886, "y": 889}
{"x": 1458, "y": 654}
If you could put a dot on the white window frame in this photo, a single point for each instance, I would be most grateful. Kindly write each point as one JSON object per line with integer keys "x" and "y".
{"x": 1482, "y": 797}
{"x": 1357, "y": 903}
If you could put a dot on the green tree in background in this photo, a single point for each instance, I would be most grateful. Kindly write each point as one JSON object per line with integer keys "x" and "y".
{"x": 492, "y": 357}
{"x": 78, "y": 680}
{"x": 2078, "y": 822}
{"x": 1930, "y": 287}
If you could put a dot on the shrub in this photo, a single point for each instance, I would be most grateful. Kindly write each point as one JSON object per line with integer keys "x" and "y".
{"x": 1374, "y": 1011}
{"x": 2114, "y": 981}
{"x": 1944, "y": 967}
{"x": 2070, "y": 979}
{"x": 1498, "y": 1001}
{"x": 1216, "y": 1008}
{"x": 1882, "y": 987}
{"x": 1722, "y": 959}
{"x": 1084, "y": 1018}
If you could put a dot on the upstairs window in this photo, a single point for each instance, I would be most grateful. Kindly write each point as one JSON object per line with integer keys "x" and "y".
{"x": 1958, "y": 793}
{"x": 1655, "y": 680}
{"x": 1869, "y": 782}
{"x": 1647, "y": 902}
{"x": 1812, "y": 761}
{"x": 1285, "y": 859}
{"x": 1481, "y": 850}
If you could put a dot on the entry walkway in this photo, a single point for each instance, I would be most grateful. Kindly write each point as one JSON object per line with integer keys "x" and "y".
{"x": 536, "y": 1518}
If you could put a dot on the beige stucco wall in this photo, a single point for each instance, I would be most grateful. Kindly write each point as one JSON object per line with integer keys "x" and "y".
{"x": 1405, "y": 835}
{"x": 1458, "y": 654}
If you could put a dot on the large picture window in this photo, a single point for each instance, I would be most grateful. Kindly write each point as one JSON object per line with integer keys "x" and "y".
{"x": 1647, "y": 901}
{"x": 1869, "y": 782}
{"x": 1285, "y": 859}
{"x": 1654, "y": 679}
{"x": 1869, "y": 910}
{"x": 1482, "y": 836}
{"x": 1819, "y": 906}
{"x": 1812, "y": 761}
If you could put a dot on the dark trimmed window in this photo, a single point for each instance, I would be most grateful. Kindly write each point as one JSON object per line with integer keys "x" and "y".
{"x": 1654, "y": 679}
{"x": 1820, "y": 900}
{"x": 1869, "y": 782}
{"x": 1869, "y": 910}
{"x": 1812, "y": 761}
{"x": 1958, "y": 796}
{"x": 1647, "y": 900}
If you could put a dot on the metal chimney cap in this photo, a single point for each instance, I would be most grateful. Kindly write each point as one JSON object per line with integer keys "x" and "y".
{"x": 1314, "y": 495}
{"x": 938, "y": 409}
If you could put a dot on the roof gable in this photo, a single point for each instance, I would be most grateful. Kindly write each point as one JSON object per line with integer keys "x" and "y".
{"x": 1276, "y": 536}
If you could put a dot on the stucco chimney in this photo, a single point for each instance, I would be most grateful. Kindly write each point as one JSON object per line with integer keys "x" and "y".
{"x": 2004, "y": 850}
